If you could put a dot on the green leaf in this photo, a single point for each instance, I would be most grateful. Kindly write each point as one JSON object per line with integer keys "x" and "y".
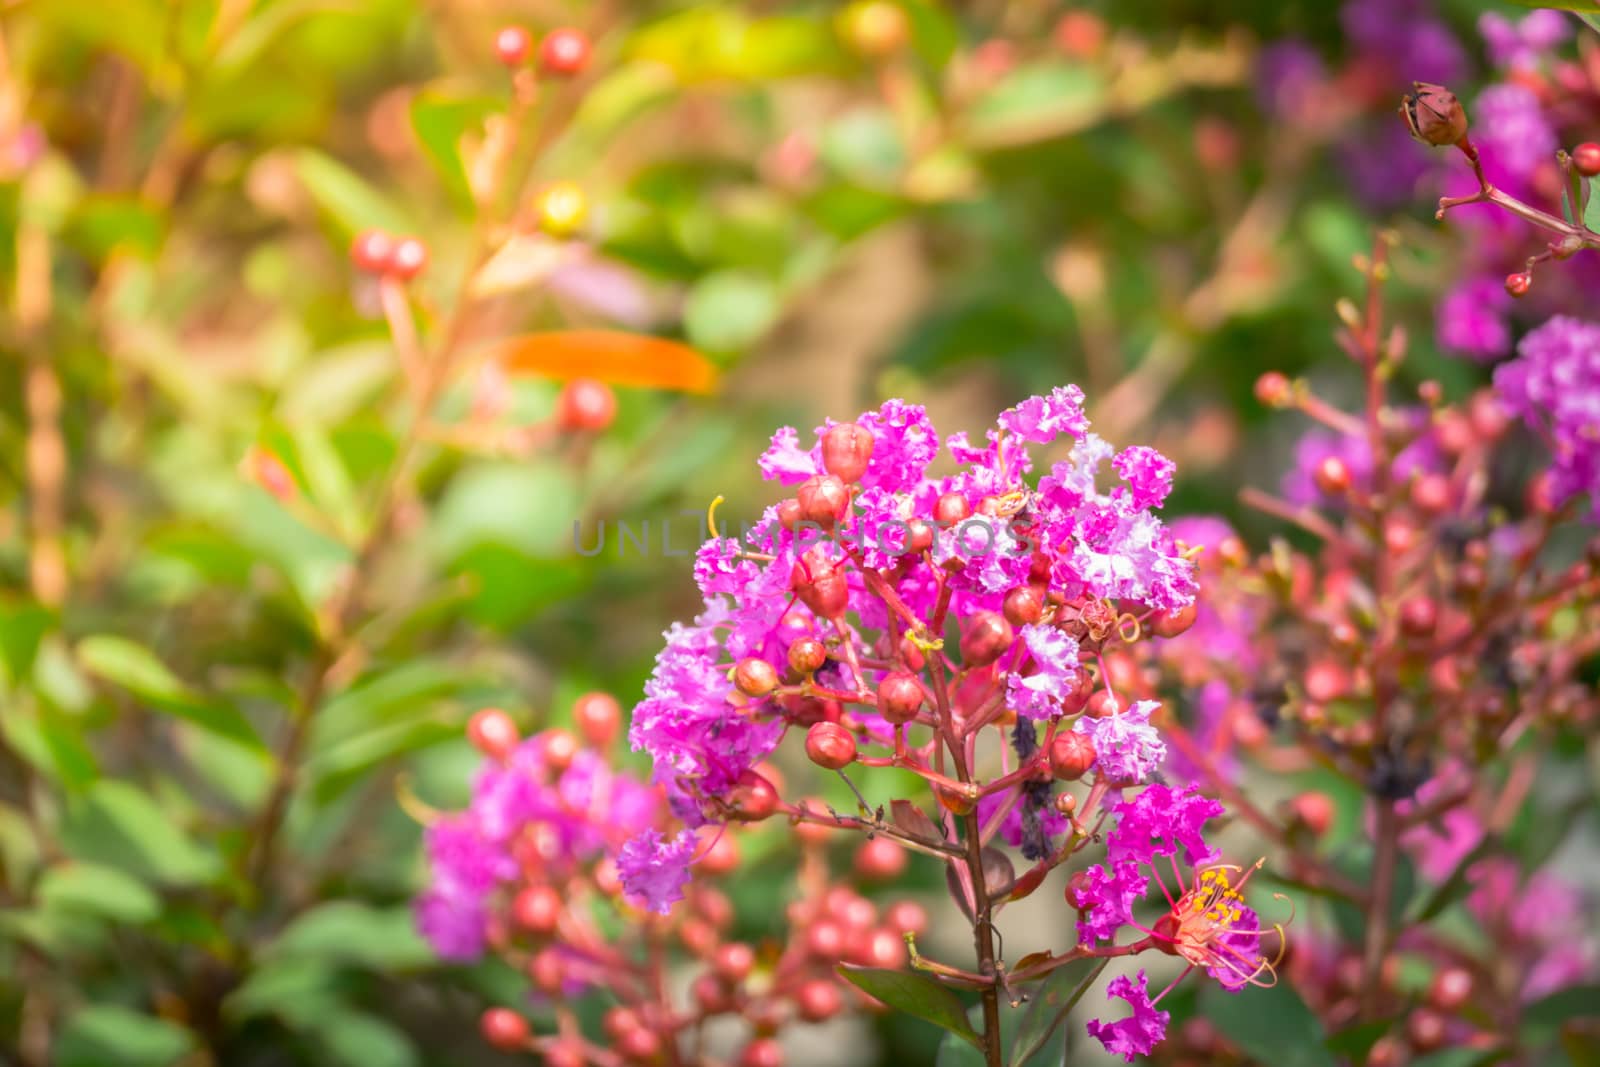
{"x": 1037, "y": 102}
{"x": 103, "y": 1034}
{"x": 1272, "y": 1025}
{"x": 298, "y": 991}
{"x": 1590, "y": 6}
{"x": 23, "y": 625}
{"x": 102, "y": 224}
{"x": 359, "y": 1040}
{"x": 720, "y": 43}
{"x": 120, "y": 825}
{"x": 347, "y": 199}
{"x": 97, "y": 890}
{"x": 915, "y": 994}
{"x": 52, "y": 743}
{"x": 1543, "y": 1019}
{"x": 135, "y": 668}
{"x": 349, "y": 932}
{"x": 1052, "y": 1000}
{"x": 1591, "y": 211}
{"x": 439, "y": 121}
{"x": 729, "y": 311}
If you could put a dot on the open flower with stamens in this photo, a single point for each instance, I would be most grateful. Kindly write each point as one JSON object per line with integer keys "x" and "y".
{"x": 1207, "y": 923}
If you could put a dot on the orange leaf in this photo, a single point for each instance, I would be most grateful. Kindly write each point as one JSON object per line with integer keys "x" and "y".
{"x": 609, "y": 355}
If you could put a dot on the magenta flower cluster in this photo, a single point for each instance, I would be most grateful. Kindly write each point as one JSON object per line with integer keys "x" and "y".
{"x": 1554, "y": 386}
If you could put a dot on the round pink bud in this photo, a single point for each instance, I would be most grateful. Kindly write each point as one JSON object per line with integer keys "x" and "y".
{"x": 733, "y": 962}
{"x": 504, "y": 1029}
{"x": 762, "y": 1052}
{"x": 598, "y": 717}
{"x": 906, "y": 917}
{"x": 585, "y": 404}
{"x": 1024, "y": 605}
{"x": 1174, "y": 622}
{"x": 564, "y": 52}
{"x": 985, "y": 639}
{"x": 537, "y": 909}
{"x": 753, "y": 798}
{"x": 820, "y": 582}
{"x": 755, "y": 677}
{"x": 880, "y": 859}
{"x": 1071, "y": 755}
{"x": 818, "y": 1000}
{"x": 511, "y": 46}
{"x": 823, "y": 500}
{"x": 899, "y": 697}
{"x": 492, "y": 732}
{"x": 807, "y": 655}
{"x": 371, "y": 251}
{"x": 951, "y": 508}
{"x": 409, "y": 259}
{"x": 846, "y": 451}
{"x": 830, "y": 746}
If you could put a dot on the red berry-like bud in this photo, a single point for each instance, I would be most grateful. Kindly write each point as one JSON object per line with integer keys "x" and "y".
{"x": 1425, "y": 1029}
{"x": 1450, "y": 989}
{"x": 598, "y": 717}
{"x": 818, "y": 1000}
{"x": 504, "y": 1029}
{"x": 1332, "y": 476}
{"x": 825, "y": 940}
{"x": 711, "y": 995}
{"x": 1519, "y": 283}
{"x": 1487, "y": 415}
{"x": 906, "y": 917}
{"x": 1315, "y": 810}
{"x": 752, "y": 798}
{"x": 952, "y": 508}
{"x": 559, "y": 748}
{"x": 1077, "y": 698}
{"x": 371, "y": 251}
{"x": 788, "y": 514}
{"x": 1174, "y": 622}
{"x": 409, "y": 258}
{"x": 1431, "y": 493}
{"x": 1077, "y": 891}
{"x": 537, "y": 909}
{"x": 1386, "y": 1052}
{"x": 585, "y": 404}
{"x": 899, "y": 697}
{"x": 492, "y": 732}
{"x": 919, "y": 536}
{"x": 639, "y": 1044}
{"x": 1586, "y": 157}
{"x": 548, "y": 970}
{"x": 1325, "y": 681}
{"x": 846, "y": 451}
{"x": 1024, "y": 605}
{"x": 820, "y": 581}
{"x": 885, "y": 949}
{"x": 755, "y": 677}
{"x": 875, "y": 28}
{"x": 880, "y": 859}
{"x": 830, "y": 746}
{"x": 564, "y": 52}
{"x": 1418, "y": 616}
{"x": 1273, "y": 389}
{"x": 511, "y": 46}
{"x": 762, "y": 1052}
{"x": 619, "y": 1020}
{"x": 733, "y": 962}
{"x": 565, "y": 1054}
{"x": 823, "y": 500}
{"x": 807, "y": 655}
{"x": 1434, "y": 115}
{"x": 985, "y": 639}
{"x": 721, "y": 858}
{"x": 1101, "y": 704}
{"x": 1071, "y": 755}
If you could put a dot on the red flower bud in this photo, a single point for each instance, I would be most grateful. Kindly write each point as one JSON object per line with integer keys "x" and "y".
{"x": 788, "y": 514}
{"x": 1024, "y": 605}
{"x": 846, "y": 451}
{"x": 721, "y": 858}
{"x": 985, "y": 639}
{"x": 585, "y": 404}
{"x": 885, "y": 949}
{"x": 564, "y": 52}
{"x": 1425, "y": 1029}
{"x": 818, "y": 1000}
{"x": 1434, "y": 115}
{"x": 1273, "y": 389}
{"x": 536, "y": 909}
{"x": 598, "y": 717}
{"x": 1101, "y": 704}
{"x": 371, "y": 251}
{"x": 1077, "y": 886}
{"x": 640, "y": 1043}
{"x": 823, "y": 500}
{"x": 1332, "y": 476}
{"x": 1431, "y": 493}
{"x": 819, "y": 580}
{"x": 711, "y": 995}
{"x": 906, "y": 917}
{"x": 1325, "y": 680}
{"x": 409, "y": 258}
{"x": 752, "y": 798}
{"x": 1586, "y": 157}
{"x": 1519, "y": 283}
{"x": 492, "y": 732}
{"x": 919, "y": 536}
{"x": 504, "y": 1029}
{"x": 1450, "y": 989}
{"x": 511, "y": 45}
{"x": 1315, "y": 810}
{"x": 755, "y": 677}
{"x": 880, "y": 859}
{"x": 830, "y": 746}
{"x": 762, "y": 1052}
{"x": 733, "y": 962}
{"x": 825, "y": 940}
{"x": 1418, "y": 616}
{"x": 548, "y": 970}
{"x": 899, "y": 697}
{"x": 558, "y": 748}
{"x": 564, "y": 1053}
{"x": 1174, "y": 622}
{"x": 951, "y": 508}
{"x": 807, "y": 655}
{"x": 1071, "y": 755}
{"x": 1077, "y": 698}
